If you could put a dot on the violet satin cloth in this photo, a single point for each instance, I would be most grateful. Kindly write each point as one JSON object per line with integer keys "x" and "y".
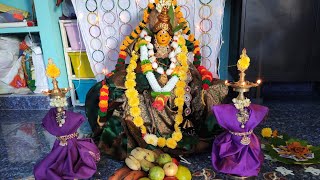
{"x": 75, "y": 160}
{"x": 228, "y": 154}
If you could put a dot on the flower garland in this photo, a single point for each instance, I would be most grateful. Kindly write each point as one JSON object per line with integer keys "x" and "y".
{"x": 58, "y": 102}
{"x": 185, "y": 30}
{"x": 133, "y": 102}
{"x": 243, "y": 114}
{"x": 103, "y": 100}
{"x": 148, "y": 61}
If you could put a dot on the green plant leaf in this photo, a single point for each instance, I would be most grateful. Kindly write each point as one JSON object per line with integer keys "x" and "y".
{"x": 150, "y": 33}
{"x": 171, "y": 15}
{"x": 179, "y": 27}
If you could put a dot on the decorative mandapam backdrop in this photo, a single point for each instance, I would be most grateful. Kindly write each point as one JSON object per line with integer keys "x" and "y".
{"x": 105, "y": 23}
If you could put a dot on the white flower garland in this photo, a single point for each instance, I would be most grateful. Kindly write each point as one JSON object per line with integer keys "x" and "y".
{"x": 147, "y": 53}
{"x": 243, "y": 114}
{"x": 58, "y": 102}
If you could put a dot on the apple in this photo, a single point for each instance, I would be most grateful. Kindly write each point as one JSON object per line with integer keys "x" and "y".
{"x": 156, "y": 173}
{"x": 144, "y": 178}
{"x": 174, "y": 160}
{"x": 183, "y": 173}
{"x": 164, "y": 159}
{"x": 170, "y": 169}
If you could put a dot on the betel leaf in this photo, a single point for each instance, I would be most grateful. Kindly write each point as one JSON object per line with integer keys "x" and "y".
{"x": 179, "y": 27}
{"x": 150, "y": 33}
{"x": 171, "y": 15}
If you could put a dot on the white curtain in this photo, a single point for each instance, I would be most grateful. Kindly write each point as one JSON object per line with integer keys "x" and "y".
{"x": 105, "y": 23}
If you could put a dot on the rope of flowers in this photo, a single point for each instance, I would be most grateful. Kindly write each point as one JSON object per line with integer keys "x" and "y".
{"x": 205, "y": 74}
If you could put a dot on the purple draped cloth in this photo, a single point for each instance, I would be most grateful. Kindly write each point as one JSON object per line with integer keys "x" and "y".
{"x": 75, "y": 160}
{"x": 228, "y": 154}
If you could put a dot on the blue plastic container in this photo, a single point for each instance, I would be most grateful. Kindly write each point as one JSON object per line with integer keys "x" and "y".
{"x": 82, "y": 87}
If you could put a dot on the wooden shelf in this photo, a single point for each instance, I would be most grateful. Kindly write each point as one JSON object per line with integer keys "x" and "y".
{"x": 75, "y": 78}
{"x": 72, "y": 51}
{"x": 19, "y": 30}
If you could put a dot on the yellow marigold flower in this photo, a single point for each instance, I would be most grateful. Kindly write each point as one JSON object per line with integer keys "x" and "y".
{"x": 243, "y": 62}
{"x": 180, "y": 111}
{"x": 131, "y": 75}
{"x": 171, "y": 143}
{"x": 179, "y": 91}
{"x": 266, "y": 132}
{"x": 184, "y": 49}
{"x": 161, "y": 142}
{"x": 177, "y": 136}
{"x": 138, "y": 121}
{"x": 132, "y": 93}
{"x": 182, "y": 57}
{"x": 151, "y": 139}
{"x": 178, "y": 9}
{"x": 52, "y": 70}
{"x": 179, "y": 119}
{"x": 181, "y": 84}
{"x": 146, "y": 67}
{"x": 179, "y": 102}
{"x": 182, "y": 76}
{"x": 133, "y": 102}
{"x": 181, "y": 41}
{"x": 143, "y": 129}
{"x": 135, "y": 111}
{"x": 130, "y": 84}
{"x": 176, "y": 127}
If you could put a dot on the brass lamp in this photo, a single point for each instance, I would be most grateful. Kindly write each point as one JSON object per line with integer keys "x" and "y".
{"x": 242, "y": 85}
{"x": 53, "y": 72}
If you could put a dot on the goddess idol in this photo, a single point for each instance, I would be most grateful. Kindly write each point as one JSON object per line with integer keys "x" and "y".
{"x": 163, "y": 97}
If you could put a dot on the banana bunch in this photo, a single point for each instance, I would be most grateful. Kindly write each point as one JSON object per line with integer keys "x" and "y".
{"x": 140, "y": 158}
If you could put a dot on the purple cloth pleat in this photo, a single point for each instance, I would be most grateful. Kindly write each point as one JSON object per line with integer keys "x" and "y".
{"x": 75, "y": 160}
{"x": 228, "y": 154}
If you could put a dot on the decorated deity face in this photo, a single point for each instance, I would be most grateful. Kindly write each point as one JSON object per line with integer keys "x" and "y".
{"x": 163, "y": 38}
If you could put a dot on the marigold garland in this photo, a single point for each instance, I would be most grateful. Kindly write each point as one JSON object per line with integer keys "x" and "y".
{"x": 103, "y": 99}
{"x": 132, "y": 93}
{"x": 133, "y": 99}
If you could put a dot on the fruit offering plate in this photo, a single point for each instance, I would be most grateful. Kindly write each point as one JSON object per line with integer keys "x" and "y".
{"x": 291, "y": 151}
{"x": 144, "y": 164}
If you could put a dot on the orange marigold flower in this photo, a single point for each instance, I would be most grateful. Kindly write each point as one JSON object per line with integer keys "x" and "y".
{"x": 103, "y": 104}
{"x": 123, "y": 47}
{"x": 123, "y": 53}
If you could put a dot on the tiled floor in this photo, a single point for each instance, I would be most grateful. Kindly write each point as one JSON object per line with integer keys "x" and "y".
{"x": 23, "y": 142}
